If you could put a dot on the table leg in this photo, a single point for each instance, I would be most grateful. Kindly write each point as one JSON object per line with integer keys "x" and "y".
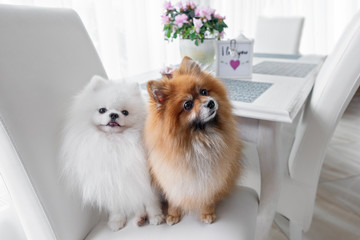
{"x": 272, "y": 169}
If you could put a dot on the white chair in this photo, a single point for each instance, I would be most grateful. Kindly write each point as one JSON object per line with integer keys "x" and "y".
{"x": 46, "y": 57}
{"x": 336, "y": 83}
{"x": 278, "y": 35}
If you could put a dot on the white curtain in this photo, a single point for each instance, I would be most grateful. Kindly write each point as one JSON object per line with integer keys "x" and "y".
{"x": 129, "y": 39}
{"x": 127, "y": 34}
{"x": 324, "y": 19}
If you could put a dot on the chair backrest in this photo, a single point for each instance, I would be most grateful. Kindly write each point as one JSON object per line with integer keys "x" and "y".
{"x": 278, "y": 35}
{"x": 336, "y": 84}
{"x": 46, "y": 56}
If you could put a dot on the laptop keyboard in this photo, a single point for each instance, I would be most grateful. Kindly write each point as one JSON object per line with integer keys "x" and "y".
{"x": 286, "y": 69}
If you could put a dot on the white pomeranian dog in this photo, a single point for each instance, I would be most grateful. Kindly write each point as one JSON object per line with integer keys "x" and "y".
{"x": 103, "y": 155}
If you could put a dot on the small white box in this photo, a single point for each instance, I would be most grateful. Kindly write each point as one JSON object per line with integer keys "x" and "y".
{"x": 234, "y": 58}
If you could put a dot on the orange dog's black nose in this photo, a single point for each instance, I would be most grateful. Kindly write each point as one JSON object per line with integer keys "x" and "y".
{"x": 211, "y": 104}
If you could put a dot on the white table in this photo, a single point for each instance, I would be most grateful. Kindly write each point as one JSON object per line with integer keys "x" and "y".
{"x": 282, "y": 101}
{"x": 262, "y": 123}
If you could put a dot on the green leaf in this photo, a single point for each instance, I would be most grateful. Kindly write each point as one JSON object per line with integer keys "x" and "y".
{"x": 191, "y": 13}
{"x": 168, "y": 33}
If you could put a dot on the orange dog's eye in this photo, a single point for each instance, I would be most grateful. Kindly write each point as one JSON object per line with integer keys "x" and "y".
{"x": 188, "y": 105}
{"x": 204, "y": 92}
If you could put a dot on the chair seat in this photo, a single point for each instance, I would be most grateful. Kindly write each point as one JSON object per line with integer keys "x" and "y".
{"x": 236, "y": 219}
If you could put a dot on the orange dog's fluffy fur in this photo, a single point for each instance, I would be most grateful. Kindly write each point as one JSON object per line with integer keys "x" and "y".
{"x": 192, "y": 141}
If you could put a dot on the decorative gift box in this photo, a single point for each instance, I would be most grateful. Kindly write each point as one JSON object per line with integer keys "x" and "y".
{"x": 234, "y": 58}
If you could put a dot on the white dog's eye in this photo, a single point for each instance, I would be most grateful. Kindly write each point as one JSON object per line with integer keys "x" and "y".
{"x": 102, "y": 110}
{"x": 125, "y": 112}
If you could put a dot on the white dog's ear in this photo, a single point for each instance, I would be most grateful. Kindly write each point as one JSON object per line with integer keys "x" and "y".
{"x": 137, "y": 89}
{"x": 136, "y": 86}
{"x": 133, "y": 86}
{"x": 96, "y": 83}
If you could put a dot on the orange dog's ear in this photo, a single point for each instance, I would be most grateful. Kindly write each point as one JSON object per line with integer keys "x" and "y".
{"x": 156, "y": 90}
{"x": 167, "y": 77}
{"x": 189, "y": 66}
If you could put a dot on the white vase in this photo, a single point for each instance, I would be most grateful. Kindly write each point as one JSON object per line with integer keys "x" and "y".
{"x": 204, "y": 53}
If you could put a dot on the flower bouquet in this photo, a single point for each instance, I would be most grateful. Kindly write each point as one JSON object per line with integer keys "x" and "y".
{"x": 189, "y": 21}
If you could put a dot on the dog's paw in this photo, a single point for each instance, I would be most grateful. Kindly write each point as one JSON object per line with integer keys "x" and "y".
{"x": 157, "y": 219}
{"x": 171, "y": 220}
{"x": 116, "y": 225}
{"x": 208, "y": 218}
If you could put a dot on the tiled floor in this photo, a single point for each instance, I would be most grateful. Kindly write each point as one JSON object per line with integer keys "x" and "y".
{"x": 337, "y": 210}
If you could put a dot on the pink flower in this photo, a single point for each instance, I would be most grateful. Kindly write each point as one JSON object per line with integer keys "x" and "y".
{"x": 181, "y": 19}
{"x": 197, "y": 12}
{"x": 168, "y": 6}
{"x": 204, "y": 12}
{"x": 180, "y": 5}
{"x": 165, "y": 19}
{"x": 219, "y": 16}
{"x": 190, "y": 4}
{"x": 198, "y": 24}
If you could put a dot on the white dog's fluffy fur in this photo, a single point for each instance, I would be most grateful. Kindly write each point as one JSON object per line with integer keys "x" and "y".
{"x": 103, "y": 157}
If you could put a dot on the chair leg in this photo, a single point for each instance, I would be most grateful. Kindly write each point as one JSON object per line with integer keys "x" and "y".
{"x": 295, "y": 231}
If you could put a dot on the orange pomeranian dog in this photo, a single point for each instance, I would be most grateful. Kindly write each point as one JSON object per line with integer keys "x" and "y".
{"x": 192, "y": 141}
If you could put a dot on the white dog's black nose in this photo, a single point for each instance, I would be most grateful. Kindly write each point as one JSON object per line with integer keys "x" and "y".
{"x": 113, "y": 116}
{"x": 211, "y": 104}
